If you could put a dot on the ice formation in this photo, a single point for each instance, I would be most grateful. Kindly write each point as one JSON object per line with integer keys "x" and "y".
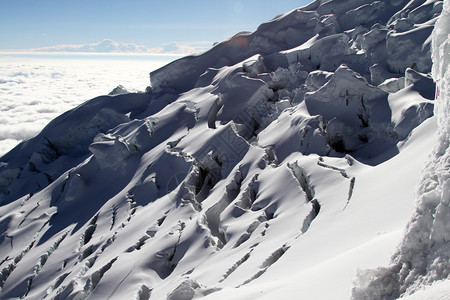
{"x": 423, "y": 258}
{"x": 273, "y": 165}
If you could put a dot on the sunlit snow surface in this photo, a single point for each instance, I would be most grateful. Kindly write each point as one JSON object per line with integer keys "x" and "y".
{"x": 421, "y": 264}
{"x": 274, "y": 165}
{"x": 37, "y": 87}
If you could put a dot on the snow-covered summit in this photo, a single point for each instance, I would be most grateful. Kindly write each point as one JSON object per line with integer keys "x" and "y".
{"x": 324, "y": 35}
{"x": 273, "y": 165}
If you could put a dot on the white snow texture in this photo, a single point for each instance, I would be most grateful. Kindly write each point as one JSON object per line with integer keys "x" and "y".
{"x": 274, "y": 165}
{"x": 424, "y": 254}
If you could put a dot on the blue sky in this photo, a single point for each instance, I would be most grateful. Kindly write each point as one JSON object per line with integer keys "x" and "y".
{"x": 28, "y": 24}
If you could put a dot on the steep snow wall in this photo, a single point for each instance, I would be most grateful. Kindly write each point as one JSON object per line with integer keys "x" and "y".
{"x": 424, "y": 254}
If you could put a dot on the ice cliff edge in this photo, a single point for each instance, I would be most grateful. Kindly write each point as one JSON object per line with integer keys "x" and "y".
{"x": 423, "y": 257}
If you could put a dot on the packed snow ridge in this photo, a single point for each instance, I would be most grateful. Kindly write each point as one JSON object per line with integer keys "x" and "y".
{"x": 276, "y": 164}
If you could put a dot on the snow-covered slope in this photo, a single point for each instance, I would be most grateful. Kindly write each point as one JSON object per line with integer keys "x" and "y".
{"x": 423, "y": 258}
{"x": 273, "y": 165}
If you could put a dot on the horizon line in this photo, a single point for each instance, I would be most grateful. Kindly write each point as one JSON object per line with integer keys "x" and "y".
{"x": 26, "y": 51}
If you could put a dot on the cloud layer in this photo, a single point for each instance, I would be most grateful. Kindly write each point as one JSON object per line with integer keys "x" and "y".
{"x": 110, "y": 46}
{"x": 34, "y": 90}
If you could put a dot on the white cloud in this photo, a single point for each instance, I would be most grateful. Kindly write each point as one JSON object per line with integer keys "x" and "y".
{"x": 33, "y": 91}
{"x": 175, "y": 47}
{"x": 105, "y": 46}
{"x": 110, "y": 46}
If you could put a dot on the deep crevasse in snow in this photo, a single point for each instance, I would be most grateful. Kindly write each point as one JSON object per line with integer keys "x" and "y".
{"x": 423, "y": 258}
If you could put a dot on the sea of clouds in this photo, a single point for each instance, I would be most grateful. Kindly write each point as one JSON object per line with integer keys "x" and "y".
{"x": 34, "y": 89}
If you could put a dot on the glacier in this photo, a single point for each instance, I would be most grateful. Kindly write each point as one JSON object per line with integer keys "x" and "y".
{"x": 279, "y": 163}
{"x": 422, "y": 260}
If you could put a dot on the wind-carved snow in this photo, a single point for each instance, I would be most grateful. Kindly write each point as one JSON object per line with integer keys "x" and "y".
{"x": 423, "y": 256}
{"x": 271, "y": 165}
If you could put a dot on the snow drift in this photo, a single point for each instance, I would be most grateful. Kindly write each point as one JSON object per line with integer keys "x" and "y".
{"x": 273, "y": 165}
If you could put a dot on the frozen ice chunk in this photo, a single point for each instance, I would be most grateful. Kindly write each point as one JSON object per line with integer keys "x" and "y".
{"x": 404, "y": 53}
{"x": 379, "y": 74}
{"x": 392, "y": 85}
{"x": 421, "y": 82}
{"x": 317, "y": 79}
{"x": 110, "y": 152}
{"x": 347, "y": 95}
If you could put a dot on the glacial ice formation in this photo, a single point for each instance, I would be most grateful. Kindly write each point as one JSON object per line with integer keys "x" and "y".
{"x": 423, "y": 257}
{"x": 275, "y": 164}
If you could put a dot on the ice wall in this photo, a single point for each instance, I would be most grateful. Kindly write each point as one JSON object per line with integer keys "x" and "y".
{"x": 441, "y": 70}
{"x": 424, "y": 254}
